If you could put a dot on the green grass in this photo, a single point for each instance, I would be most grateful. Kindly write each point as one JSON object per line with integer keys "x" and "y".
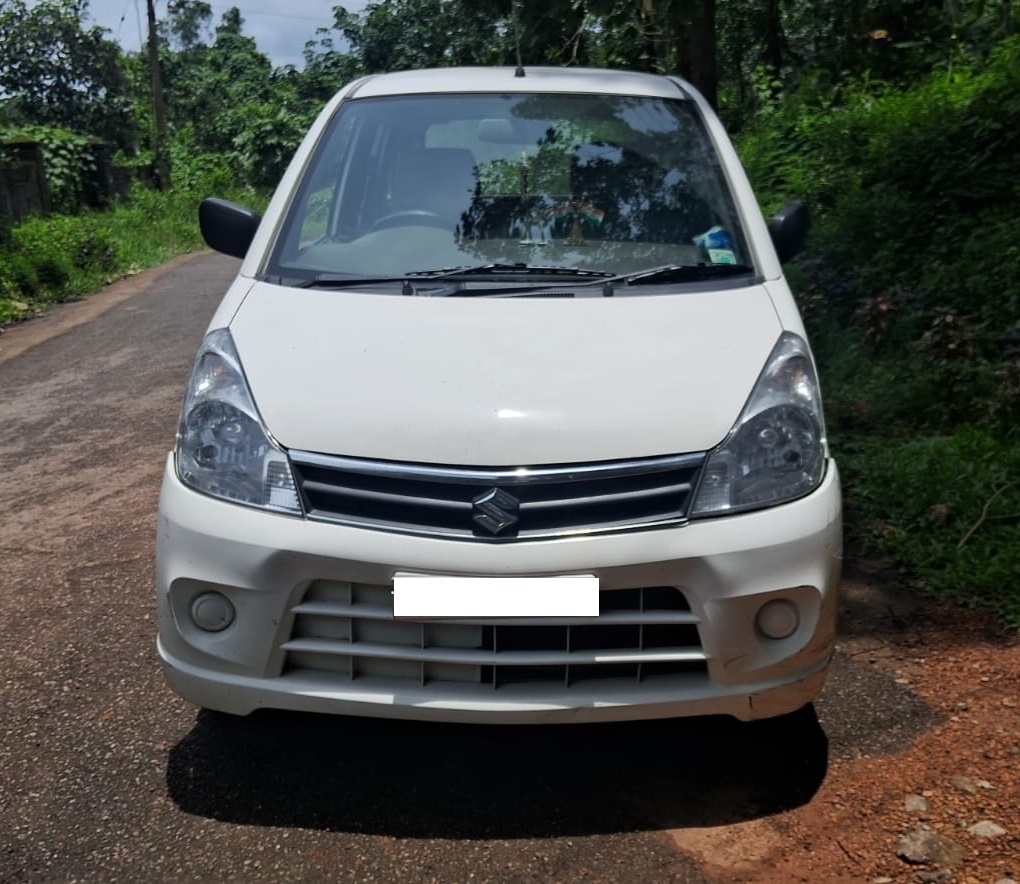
{"x": 941, "y": 509}
{"x": 64, "y": 257}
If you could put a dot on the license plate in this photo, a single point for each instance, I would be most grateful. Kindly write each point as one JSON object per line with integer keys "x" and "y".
{"x": 436, "y": 596}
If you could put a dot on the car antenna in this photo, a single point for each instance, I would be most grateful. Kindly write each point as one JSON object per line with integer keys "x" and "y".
{"x": 517, "y": 39}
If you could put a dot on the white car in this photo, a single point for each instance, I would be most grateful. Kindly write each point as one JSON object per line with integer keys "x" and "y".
{"x": 509, "y": 416}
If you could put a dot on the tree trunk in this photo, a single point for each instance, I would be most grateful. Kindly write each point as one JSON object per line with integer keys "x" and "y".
{"x": 158, "y": 109}
{"x": 697, "y": 48}
{"x": 775, "y": 42}
{"x": 656, "y": 33}
{"x": 680, "y": 35}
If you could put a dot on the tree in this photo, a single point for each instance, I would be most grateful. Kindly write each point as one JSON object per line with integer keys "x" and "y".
{"x": 211, "y": 88}
{"x": 820, "y": 45}
{"x": 327, "y": 68}
{"x": 59, "y": 72}
{"x": 697, "y": 46}
{"x": 186, "y": 26}
{"x": 226, "y": 99}
{"x": 404, "y": 34}
{"x": 670, "y": 36}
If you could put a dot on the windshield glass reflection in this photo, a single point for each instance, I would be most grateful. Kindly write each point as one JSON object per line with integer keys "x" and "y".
{"x": 597, "y": 182}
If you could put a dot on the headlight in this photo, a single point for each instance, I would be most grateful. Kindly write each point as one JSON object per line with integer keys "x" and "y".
{"x": 223, "y": 449}
{"x": 776, "y": 450}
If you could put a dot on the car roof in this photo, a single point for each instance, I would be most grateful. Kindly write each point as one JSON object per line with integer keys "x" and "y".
{"x": 506, "y": 80}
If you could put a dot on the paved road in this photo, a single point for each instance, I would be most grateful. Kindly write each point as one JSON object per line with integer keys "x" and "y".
{"x": 105, "y": 774}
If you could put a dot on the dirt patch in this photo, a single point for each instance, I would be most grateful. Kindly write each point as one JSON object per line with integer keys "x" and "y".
{"x": 952, "y": 781}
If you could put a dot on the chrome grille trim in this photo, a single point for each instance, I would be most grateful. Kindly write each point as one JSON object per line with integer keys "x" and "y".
{"x": 518, "y": 475}
{"x": 347, "y": 631}
{"x": 554, "y": 501}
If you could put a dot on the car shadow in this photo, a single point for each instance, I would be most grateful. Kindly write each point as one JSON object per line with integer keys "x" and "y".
{"x": 426, "y": 780}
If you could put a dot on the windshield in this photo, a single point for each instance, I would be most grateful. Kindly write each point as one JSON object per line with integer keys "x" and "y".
{"x": 407, "y": 184}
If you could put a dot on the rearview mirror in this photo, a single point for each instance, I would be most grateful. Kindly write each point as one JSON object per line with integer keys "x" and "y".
{"x": 788, "y": 228}
{"x": 226, "y": 226}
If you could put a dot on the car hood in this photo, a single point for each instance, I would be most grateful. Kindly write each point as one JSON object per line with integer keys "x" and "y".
{"x": 502, "y": 381}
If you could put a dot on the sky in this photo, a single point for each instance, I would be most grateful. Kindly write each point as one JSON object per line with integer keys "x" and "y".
{"x": 280, "y": 27}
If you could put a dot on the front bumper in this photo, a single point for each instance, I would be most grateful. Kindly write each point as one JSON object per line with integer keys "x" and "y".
{"x": 276, "y": 570}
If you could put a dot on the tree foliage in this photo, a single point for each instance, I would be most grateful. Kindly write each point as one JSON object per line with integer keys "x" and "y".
{"x": 663, "y": 35}
{"x": 58, "y": 72}
{"x": 771, "y": 48}
{"x": 405, "y": 34}
{"x": 186, "y": 26}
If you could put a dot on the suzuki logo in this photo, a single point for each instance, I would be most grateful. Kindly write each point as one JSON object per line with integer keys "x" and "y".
{"x": 495, "y": 510}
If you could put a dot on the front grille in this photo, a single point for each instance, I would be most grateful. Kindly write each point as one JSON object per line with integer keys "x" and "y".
{"x": 500, "y": 503}
{"x": 348, "y": 631}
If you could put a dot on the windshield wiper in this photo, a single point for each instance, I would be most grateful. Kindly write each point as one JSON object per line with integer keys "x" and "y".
{"x": 340, "y": 281}
{"x": 682, "y": 273}
{"x": 514, "y": 270}
{"x": 578, "y": 277}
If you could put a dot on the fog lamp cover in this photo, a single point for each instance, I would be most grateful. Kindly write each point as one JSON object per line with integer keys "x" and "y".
{"x": 778, "y": 619}
{"x": 212, "y": 612}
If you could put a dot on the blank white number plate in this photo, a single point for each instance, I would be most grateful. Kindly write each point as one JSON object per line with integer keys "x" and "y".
{"x": 429, "y": 595}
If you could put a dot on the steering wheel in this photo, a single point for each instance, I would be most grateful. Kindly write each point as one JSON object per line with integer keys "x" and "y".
{"x": 410, "y": 217}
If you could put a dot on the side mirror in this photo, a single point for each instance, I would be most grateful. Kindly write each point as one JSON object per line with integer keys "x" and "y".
{"x": 226, "y": 226}
{"x": 788, "y": 229}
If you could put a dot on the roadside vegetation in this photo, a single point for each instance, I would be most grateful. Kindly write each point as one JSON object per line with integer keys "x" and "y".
{"x": 894, "y": 122}
{"x": 46, "y": 261}
{"x": 911, "y": 293}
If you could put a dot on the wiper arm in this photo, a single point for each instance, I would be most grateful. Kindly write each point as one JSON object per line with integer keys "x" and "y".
{"x": 682, "y": 273}
{"x": 500, "y": 269}
{"x": 341, "y": 281}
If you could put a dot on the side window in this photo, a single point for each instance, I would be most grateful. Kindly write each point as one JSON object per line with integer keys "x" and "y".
{"x": 313, "y": 218}
{"x": 332, "y": 202}
{"x": 366, "y": 179}
{"x": 318, "y": 201}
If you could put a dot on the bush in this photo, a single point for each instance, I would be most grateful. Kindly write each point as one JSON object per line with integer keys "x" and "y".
{"x": 944, "y": 509}
{"x": 11, "y": 310}
{"x": 913, "y": 193}
{"x": 81, "y": 241}
{"x": 95, "y": 249}
{"x": 18, "y": 276}
{"x": 63, "y": 256}
{"x": 909, "y": 294}
{"x": 51, "y": 272}
{"x": 201, "y": 174}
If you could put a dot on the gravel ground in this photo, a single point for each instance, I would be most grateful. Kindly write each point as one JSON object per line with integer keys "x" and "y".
{"x": 938, "y": 801}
